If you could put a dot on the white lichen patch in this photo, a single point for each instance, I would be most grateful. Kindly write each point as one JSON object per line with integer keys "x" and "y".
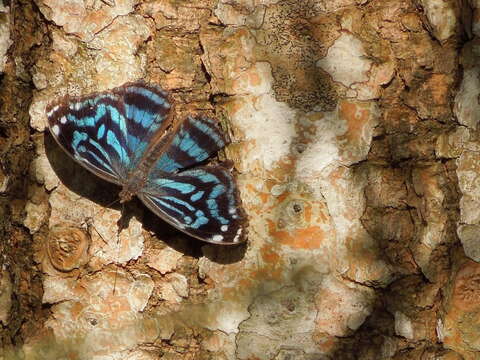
{"x": 57, "y": 289}
{"x": 76, "y": 18}
{"x": 442, "y": 16}
{"x": 5, "y": 40}
{"x": 109, "y": 245}
{"x": 403, "y": 325}
{"x": 346, "y": 61}
{"x": 468, "y": 235}
{"x": 281, "y": 319}
{"x": 242, "y": 15}
{"x": 104, "y": 321}
{"x": 267, "y": 123}
{"x": 164, "y": 260}
{"x": 468, "y": 169}
{"x": 36, "y": 215}
{"x": 342, "y": 137}
{"x": 227, "y": 316}
{"x": 467, "y": 107}
{"x": 118, "y": 60}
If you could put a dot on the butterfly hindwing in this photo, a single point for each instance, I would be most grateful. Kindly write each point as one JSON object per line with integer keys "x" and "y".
{"x": 203, "y": 202}
{"x": 195, "y": 140}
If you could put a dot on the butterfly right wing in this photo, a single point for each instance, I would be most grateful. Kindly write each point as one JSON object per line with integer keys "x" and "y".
{"x": 196, "y": 139}
{"x": 202, "y": 202}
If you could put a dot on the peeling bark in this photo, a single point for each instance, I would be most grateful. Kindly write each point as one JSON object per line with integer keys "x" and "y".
{"x": 354, "y": 128}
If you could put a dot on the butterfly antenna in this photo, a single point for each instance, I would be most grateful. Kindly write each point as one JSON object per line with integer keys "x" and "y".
{"x": 121, "y": 226}
{"x": 89, "y": 221}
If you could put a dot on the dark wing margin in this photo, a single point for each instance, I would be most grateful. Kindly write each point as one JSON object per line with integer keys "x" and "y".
{"x": 202, "y": 202}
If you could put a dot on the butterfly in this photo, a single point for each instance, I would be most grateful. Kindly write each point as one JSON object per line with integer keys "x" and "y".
{"x": 127, "y": 136}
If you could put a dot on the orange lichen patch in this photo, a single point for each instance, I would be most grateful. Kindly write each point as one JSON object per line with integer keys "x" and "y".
{"x": 356, "y": 115}
{"x": 76, "y": 309}
{"x": 283, "y": 169}
{"x": 307, "y": 214}
{"x": 326, "y": 343}
{"x": 466, "y": 290}
{"x": 232, "y": 107}
{"x": 306, "y": 238}
{"x": 462, "y": 318}
{"x": 261, "y": 195}
{"x": 251, "y": 278}
{"x": 269, "y": 255}
{"x": 254, "y": 78}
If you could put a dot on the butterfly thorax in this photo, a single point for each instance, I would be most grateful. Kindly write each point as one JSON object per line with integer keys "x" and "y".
{"x": 136, "y": 181}
{"x": 138, "y": 177}
{"x": 126, "y": 195}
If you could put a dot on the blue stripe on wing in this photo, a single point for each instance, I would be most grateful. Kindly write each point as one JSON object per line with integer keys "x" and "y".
{"x": 202, "y": 202}
{"x": 195, "y": 140}
{"x": 109, "y": 132}
{"x": 146, "y": 108}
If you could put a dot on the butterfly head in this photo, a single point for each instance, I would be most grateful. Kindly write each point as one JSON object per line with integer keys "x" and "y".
{"x": 126, "y": 195}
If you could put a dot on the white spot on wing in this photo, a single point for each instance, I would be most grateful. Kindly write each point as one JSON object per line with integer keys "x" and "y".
{"x": 217, "y": 238}
{"x": 224, "y": 228}
{"x": 237, "y": 236}
{"x": 55, "y": 108}
{"x": 75, "y": 106}
{"x": 63, "y": 120}
{"x": 232, "y": 211}
{"x": 56, "y": 130}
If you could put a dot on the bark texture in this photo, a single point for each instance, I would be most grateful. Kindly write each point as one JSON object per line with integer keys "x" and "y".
{"x": 354, "y": 128}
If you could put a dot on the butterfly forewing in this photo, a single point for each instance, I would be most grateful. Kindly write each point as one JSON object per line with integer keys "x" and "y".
{"x": 91, "y": 130}
{"x": 146, "y": 109}
{"x": 195, "y": 140}
{"x": 203, "y": 202}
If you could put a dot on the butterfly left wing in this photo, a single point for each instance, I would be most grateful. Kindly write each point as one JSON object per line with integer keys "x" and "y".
{"x": 109, "y": 132}
{"x": 91, "y": 129}
{"x": 202, "y": 202}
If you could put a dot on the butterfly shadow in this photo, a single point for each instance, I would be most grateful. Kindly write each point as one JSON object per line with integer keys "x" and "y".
{"x": 189, "y": 246}
{"x": 79, "y": 180}
{"x": 87, "y": 185}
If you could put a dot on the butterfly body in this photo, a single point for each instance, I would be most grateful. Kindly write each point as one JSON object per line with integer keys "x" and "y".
{"x": 127, "y": 136}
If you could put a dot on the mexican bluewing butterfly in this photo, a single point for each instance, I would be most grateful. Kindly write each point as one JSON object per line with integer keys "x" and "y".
{"x": 127, "y": 136}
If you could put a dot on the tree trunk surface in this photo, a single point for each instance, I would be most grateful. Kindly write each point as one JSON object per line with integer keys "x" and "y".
{"x": 355, "y": 143}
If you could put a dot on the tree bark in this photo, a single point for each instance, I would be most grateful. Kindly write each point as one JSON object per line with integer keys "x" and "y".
{"x": 354, "y": 128}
